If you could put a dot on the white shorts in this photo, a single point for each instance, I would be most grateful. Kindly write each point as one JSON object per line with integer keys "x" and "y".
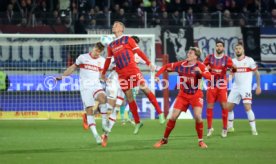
{"x": 236, "y": 95}
{"x": 113, "y": 89}
{"x": 89, "y": 95}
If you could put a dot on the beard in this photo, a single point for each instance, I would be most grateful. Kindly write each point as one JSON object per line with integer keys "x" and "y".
{"x": 219, "y": 52}
{"x": 239, "y": 55}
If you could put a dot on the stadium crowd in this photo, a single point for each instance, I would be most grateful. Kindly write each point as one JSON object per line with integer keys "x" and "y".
{"x": 77, "y": 15}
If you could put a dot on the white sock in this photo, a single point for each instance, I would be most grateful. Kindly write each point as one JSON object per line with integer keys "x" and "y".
{"x": 103, "y": 109}
{"x": 230, "y": 119}
{"x": 92, "y": 124}
{"x": 112, "y": 119}
{"x": 251, "y": 118}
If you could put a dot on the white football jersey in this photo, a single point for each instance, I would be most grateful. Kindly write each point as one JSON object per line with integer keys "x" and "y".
{"x": 90, "y": 69}
{"x": 243, "y": 76}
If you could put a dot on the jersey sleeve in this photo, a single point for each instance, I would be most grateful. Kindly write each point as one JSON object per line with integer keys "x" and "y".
{"x": 253, "y": 65}
{"x": 204, "y": 71}
{"x": 229, "y": 62}
{"x": 78, "y": 60}
{"x": 135, "y": 48}
{"x": 168, "y": 67}
{"x": 207, "y": 60}
{"x": 108, "y": 59}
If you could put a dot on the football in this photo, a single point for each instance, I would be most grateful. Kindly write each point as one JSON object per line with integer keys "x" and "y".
{"x": 105, "y": 40}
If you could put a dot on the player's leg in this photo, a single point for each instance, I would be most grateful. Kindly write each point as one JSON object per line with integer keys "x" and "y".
{"x": 197, "y": 105}
{"x": 209, "y": 112}
{"x": 247, "y": 101}
{"x": 230, "y": 124}
{"x": 233, "y": 98}
{"x": 223, "y": 103}
{"x": 101, "y": 97}
{"x": 153, "y": 101}
{"x": 134, "y": 110}
{"x": 199, "y": 125}
{"x": 180, "y": 104}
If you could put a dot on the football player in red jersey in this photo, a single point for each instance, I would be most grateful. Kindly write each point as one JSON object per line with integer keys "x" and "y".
{"x": 190, "y": 73}
{"x": 218, "y": 64}
{"x": 123, "y": 49}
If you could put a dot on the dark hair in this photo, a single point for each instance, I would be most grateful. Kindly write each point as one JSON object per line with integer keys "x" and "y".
{"x": 100, "y": 46}
{"x": 136, "y": 39}
{"x": 219, "y": 41}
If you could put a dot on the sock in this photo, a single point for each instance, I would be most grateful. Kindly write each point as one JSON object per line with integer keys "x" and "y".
{"x": 103, "y": 108}
{"x": 251, "y": 118}
{"x": 122, "y": 112}
{"x": 230, "y": 119}
{"x": 199, "y": 130}
{"x": 154, "y": 102}
{"x": 169, "y": 128}
{"x": 134, "y": 110}
{"x": 224, "y": 118}
{"x": 112, "y": 119}
{"x": 209, "y": 117}
{"x": 92, "y": 124}
{"x": 130, "y": 116}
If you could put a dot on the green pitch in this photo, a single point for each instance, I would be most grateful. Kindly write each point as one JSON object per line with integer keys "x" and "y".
{"x": 64, "y": 141}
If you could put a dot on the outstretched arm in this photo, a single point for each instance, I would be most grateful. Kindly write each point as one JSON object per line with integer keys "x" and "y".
{"x": 107, "y": 62}
{"x": 68, "y": 71}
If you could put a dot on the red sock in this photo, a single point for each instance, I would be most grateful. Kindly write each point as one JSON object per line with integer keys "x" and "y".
{"x": 224, "y": 118}
{"x": 209, "y": 117}
{"x": 154, "y": 102}
{"x": 134, "y": 110}
{"x": 169, "y": 128}
{"x": 199, "y": 130}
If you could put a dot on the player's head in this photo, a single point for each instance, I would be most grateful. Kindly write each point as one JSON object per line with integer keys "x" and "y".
{"x": 219, "y": 46}
{"x": 239, "y": 50}
{"x": 118, "y": 27}
{"x": 97, "y": 49}
{"x": 193, "y": 54}
{"x": 136, "y": 39}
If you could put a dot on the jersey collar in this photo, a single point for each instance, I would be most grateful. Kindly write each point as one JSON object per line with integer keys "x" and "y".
{"x": 90, "y": 54}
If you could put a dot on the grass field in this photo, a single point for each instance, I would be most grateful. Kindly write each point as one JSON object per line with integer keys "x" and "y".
{"x": 64, "y": 141}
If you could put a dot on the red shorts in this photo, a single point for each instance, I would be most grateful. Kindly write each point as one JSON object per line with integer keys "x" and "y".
{"x": 130, "y": 81}
{"x": 183, "y": 100}
{"x": 216, "y": 94}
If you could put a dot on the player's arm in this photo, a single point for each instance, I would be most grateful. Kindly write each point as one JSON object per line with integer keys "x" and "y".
{"x": 202, "y": 69}
{"x": 254, "y": 68}
{"x": 231, "y": 65}
{"x": 106, "y": 63}
{"x": 258, "y": 79}
{"x": 168, "y": 67}
{"x": 68, "y": 71}
{"x": 138, "y": 51}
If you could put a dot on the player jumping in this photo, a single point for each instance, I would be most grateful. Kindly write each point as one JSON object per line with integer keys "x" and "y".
{"x": 123, "y": 49}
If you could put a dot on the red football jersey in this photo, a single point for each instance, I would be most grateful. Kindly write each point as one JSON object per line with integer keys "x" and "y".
{"x": 123, "y": 49}
{"x": 188, "y": 76}
{"x": 218, "y": 67}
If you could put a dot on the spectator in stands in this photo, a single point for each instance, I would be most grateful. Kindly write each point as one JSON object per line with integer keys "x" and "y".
{"x": 176, "y": 19}
{"x": 227, "y": 20}
{"x": 164, "y": 20}
{"x": 80, "y": 27}
{"x": 153, "y": 13}
{"x": 190, "y": 19}
{"x": 272, "y": 21}
{"x": 10, "y": 17}
{"x": 206, "y": 16}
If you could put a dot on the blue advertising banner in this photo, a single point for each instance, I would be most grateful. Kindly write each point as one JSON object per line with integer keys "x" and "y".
{"x": 71, "y": 83}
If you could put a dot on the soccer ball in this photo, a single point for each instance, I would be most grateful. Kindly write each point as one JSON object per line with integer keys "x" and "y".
{"x": 105, "y": 40}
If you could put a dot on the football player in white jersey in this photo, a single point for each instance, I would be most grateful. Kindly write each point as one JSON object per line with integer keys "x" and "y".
{"x": 242, "y": 86}
{"x": 91, "y": 65}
